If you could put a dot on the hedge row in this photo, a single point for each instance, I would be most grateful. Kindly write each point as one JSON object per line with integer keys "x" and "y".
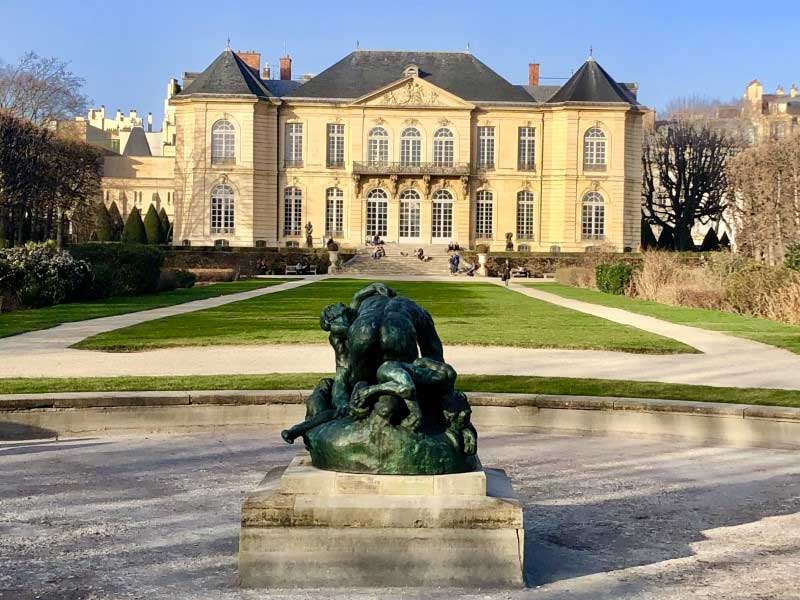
{"x": 121, "y": 269}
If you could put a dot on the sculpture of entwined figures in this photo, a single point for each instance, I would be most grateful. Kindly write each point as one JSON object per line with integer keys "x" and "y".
{"x": 391, "y": 407}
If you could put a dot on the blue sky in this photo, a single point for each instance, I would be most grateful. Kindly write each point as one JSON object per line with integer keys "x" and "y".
{"x": 674, "y": 48}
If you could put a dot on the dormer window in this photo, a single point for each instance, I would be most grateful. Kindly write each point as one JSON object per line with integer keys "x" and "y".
{"x": 411, "y": 70}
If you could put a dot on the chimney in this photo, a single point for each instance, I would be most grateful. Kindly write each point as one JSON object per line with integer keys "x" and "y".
{"x": 149, "y": 122}
{"x": 251, "y": 58}
{"x": 267, "y": 72}
{"x": 286, "y": 67}
{"x": 793, "y": 92}
{"x": 779, "y": 91}
{"x": 533, "y": 73}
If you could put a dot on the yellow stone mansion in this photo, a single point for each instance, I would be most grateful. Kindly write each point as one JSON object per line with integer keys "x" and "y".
{"x": 416, "y": 147}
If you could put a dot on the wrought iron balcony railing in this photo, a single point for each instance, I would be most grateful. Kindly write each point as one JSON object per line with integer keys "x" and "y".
{"x": 595, "y": 167}
{"x": 400, "y": 168}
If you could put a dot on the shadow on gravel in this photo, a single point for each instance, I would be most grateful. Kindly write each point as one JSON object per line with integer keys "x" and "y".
{"x": 16, "y": 431}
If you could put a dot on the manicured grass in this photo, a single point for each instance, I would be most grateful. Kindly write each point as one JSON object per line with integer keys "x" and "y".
{"x": 473, "y": 314}
{"x": 759, "y": 330}
{"x": 21, "y": 321}
{"x": 470, "y": 383}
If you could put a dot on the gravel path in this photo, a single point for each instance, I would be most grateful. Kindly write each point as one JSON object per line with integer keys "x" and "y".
{"x": 726, "y": 360}
{"x": 606, "y": 518}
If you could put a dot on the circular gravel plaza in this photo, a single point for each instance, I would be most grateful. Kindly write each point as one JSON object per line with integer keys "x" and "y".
{"x": 605, "y": 517}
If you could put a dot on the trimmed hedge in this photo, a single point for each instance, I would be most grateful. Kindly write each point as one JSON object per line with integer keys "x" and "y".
{"x": 121, "y": 269}
{"x": 614, "y": 278}
{"x": 134, "y": 232}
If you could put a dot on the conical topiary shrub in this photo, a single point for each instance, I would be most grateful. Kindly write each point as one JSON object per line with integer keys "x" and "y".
{"x": 725, "y": 241}
{"x": 649, "y": 240}
{"x": 133, "y": 232}
{"x": 665, "y": 240}
{"x": 710, "y": 242}
{"x": 152, "y": 227}
{"x": 166, "y": 227}
{"x": 117, "y": 223}
{"x": 103, "y": 229}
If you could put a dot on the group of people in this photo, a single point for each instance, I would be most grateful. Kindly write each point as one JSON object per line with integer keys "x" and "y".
{"x": 468, "y": 269}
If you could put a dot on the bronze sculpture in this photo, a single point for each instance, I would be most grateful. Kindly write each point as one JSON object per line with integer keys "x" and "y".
{"x": 392, "y": 406}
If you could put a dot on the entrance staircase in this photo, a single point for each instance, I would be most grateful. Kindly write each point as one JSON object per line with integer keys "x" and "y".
{"x": 394, "y": 263}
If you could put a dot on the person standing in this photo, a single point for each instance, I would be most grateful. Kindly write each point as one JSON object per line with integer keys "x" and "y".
{"x": 506, "y": 273}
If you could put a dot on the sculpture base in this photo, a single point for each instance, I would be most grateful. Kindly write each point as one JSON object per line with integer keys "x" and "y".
{"x": 306, "y": 527}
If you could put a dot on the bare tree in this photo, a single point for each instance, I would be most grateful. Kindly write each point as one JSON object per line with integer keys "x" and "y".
{"x": 684, "y": 177}
{"x": 41, "y": 90}
{"x": 766, "y": 181}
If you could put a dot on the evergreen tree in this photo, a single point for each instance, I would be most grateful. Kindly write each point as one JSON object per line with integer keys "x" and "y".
{"x": 152, "y": 227}
{"x": 649, "y": 240}
{"x": 116, "y": 221}
{"x": 665, "y": 240}
{"x": 725, "y": 241}
{"x": 166, "y": 226}
{"x": 710, "y": 242}
{"x": 133, "y": 232}
{"x": 103, "y": 228}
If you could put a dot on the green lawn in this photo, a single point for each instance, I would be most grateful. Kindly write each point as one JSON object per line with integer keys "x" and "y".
{"x": 474, "y": 313}
{"x": 469, "y": 383}
{"x": 759, "y": 330}
{"x": 21, "y": 321}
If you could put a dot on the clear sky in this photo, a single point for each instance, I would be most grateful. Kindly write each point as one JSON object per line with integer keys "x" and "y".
{"x": 128, "y": 51}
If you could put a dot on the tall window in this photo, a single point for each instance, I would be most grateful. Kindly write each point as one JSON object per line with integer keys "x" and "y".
{"x": 442, "y": 215}
{"x": 443, "y": 147}
{"x": 594, "y": 150}
{"x": 294, "y": 144}
{"x": 486, "y": 147}
{"x": 334, "y": 212}
{"x": 526, "y": 149}
{"x": 409, "y": 214}
{"x": 525, "y": 215}
{"x": 593, "y": 217}
{"x": 292, "y": 211}
{"x": 222, "y": 213}
{"x": 223, "y": 143}
{"x": 410, "y": 147}
{"x": 377, "y": 209}
{"x": 335, "y": 145}
{"x": 483, "y": 214}
{"x": 378, "y": 146}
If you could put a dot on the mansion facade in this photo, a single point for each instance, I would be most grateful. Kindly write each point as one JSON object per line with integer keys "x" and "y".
{"x": 415, "y": 147}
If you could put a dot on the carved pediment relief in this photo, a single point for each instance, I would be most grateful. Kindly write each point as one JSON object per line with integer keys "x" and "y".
{"x": 413, "y": 92}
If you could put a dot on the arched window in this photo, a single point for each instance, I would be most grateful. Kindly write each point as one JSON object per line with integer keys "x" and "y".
{"x": 410, "y": 147}
{"x": 409, "y": 214}
{"x": 443, "y": 147}
{"x": 442, "y": 215}
{"x": 377, "y": 209}
{"x": 525, "y": 215}
{"x": 593, "y": 217}
{"x": 292, "y": 211}
{"x": 222, "y": 209}
{"x": 378, "y": 146}
{"x": 334, "y": 212}
{"x": 223, "y": 143}
{"x": 484, "y": 210}
{"x": 594, "y": 150}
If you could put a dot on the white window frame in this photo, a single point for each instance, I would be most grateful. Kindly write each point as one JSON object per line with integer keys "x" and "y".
{"x": 294, "y": 145}
{"x": 410, "y": 215}
{"x": 292, "y": 211}
{"x": 411, "y": 147}
{"x": 377, "y": 213}
{"x": 484, "y": 214}
{"x": 593, "y": 216}
{"x": 594, "y": 149}
{"x": 526, "y": 149}
{"x": 378, "y": 146}
{"x": 223, "y": 209}
{"x": 335, "y": 145}
{"x": 334, "y": 212}
{"x": 223, "y": 143}
{"x": 525, "y": 215}
{"x": 486, "y": 143}
{"x": 442, "y": 215}
{"x": 443, "y": 147}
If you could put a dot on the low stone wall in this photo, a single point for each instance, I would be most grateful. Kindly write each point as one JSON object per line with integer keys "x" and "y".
{"x": 72, "y": 414}
{"x": 246, "y": 262}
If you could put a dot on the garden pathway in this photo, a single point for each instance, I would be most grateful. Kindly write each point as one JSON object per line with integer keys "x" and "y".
{"x": 726, "y": 360}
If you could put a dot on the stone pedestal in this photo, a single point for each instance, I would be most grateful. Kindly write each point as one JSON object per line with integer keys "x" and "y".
{"x": 304, "y": 527}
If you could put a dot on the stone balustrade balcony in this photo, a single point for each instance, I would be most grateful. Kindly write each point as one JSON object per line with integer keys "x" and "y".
{"x": 403, "y": 168}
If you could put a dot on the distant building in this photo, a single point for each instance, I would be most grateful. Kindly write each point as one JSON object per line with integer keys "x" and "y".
{"x": 770, "y": 116}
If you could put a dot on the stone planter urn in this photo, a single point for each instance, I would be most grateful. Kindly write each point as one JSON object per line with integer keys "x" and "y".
{"x": 482, "y": 265}
{"x": 333, "y": 258}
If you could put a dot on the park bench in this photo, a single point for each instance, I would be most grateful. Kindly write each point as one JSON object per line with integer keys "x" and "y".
{"x": 293, "y": 270}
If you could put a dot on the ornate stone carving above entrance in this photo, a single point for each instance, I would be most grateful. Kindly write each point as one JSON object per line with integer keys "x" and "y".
{"x": 411, "y": 93}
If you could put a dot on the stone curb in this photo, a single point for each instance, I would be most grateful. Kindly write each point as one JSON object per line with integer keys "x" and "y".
{"x": 78, "y": 400}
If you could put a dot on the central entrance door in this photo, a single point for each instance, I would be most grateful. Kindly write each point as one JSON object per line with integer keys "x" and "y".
{"x": 442, "y": 217}
{"x": 409, "y": 217}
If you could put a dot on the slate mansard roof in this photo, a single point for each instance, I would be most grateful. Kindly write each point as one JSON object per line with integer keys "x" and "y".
{"x": 137, "y": 144}
{"x": 365, "y": 71}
